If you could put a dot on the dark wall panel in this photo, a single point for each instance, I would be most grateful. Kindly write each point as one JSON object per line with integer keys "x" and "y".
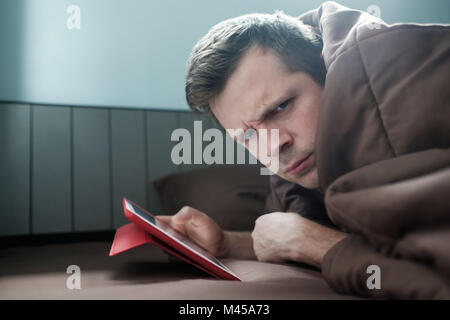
{"x": 129, "y": 173}
{"x": 66, "y": 169}
{"x": 91, "y": 170}
{"x": 51, "y": 170}
{"x": 160, "y": 126}
{"x": 14, "y": 169}
{"x": 187, "y": 120}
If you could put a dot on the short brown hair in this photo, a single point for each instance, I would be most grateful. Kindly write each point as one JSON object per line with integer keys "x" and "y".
{"x": 217, "y": 54}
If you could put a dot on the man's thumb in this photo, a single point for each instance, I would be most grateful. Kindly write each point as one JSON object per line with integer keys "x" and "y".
{"x": 165, "y": 219}
{"x": 183, "y": 215}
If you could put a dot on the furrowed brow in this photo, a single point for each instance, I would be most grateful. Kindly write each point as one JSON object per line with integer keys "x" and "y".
{"x": 269, "y": 107}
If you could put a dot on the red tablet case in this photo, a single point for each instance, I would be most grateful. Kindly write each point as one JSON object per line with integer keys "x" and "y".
{"x": 140, "y": 232}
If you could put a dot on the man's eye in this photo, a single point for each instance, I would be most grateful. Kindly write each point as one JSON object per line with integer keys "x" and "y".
{"x": 282, "y": 106}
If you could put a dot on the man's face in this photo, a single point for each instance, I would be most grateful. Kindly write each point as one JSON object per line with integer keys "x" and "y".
{"x": 259, "y": 85}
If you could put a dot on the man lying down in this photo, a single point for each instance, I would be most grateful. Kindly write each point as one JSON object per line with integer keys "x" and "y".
{"x": 362, "y": 110}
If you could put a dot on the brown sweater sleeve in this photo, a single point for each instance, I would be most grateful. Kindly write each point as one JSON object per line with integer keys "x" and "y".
{"x": 286, "y": 196}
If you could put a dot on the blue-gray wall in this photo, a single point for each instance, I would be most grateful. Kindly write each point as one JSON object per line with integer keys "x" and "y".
{"x": 132, "y": 53}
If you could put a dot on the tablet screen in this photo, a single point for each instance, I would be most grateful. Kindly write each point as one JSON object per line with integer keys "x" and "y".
{"x": 173, "y": 234}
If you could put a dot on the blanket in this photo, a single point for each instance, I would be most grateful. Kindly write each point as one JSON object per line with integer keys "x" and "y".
{"x": 383, "y": 154}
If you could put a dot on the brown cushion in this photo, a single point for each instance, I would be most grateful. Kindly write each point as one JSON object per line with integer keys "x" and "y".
{"x": 233, "y": 195}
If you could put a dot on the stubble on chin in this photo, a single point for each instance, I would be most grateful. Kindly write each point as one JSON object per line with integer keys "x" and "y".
{"x": 308, "y": 181}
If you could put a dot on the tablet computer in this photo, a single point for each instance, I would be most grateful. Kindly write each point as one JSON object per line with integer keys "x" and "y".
{"x": 176, "y": 243}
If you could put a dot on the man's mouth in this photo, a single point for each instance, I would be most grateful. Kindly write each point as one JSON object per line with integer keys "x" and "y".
{"x": 299, "y": 166}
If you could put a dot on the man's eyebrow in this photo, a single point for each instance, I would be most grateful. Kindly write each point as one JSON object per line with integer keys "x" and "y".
{"x": 269, "y": 107}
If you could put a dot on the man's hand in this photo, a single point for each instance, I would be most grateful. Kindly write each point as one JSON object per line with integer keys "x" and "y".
{"x": 277, "y": 237}
{"x": 205, "y": 232}
{"x": 287, "y": 236}
{"x": 199, "y": 228}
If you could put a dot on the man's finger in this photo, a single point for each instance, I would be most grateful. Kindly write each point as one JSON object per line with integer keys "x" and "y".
{"x": 173, "y": 224}
{"x": 183, "y": 215}
{"x": 165, "y": 219}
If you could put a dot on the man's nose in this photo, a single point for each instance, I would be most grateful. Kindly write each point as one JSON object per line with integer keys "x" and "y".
{"x": 284, "y": 141}
{"x": 278, "y": 141}
{"x": 275, "y": 142}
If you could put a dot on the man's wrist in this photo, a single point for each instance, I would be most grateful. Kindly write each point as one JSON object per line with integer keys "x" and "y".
{"x": 330, "y": 241}
{"x": 312, "y": 249}
{"x": 224, "y": 251}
